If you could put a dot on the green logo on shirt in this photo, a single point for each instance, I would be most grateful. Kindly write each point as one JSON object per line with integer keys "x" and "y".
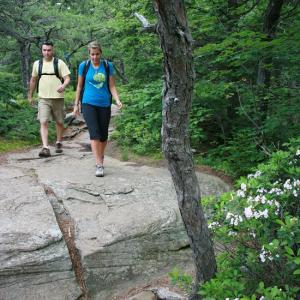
{"x": 99, "y": 77}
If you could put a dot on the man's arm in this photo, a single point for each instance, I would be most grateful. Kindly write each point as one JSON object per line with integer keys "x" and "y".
{"x": 32, "y": 85}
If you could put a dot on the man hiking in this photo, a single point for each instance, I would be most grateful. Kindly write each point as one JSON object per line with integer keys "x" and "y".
{"x": 51, "y": 76}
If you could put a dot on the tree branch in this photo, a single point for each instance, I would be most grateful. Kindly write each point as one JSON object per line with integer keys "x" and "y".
{"x": 147, "y": 27}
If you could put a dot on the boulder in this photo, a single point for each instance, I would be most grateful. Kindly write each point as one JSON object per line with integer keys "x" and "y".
{"x": 34, "y": 259}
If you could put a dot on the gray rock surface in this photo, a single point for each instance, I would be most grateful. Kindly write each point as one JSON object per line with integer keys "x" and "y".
{"x": 128, "y": 225}
{"x": 34, "y": 259}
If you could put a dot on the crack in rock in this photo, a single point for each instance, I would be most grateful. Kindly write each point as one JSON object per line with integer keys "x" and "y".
{"x": 67, "y": 226}
{"x": 124, "y": 191}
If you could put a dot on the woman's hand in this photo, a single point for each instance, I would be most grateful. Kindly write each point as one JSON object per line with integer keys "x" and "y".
{"x": 76, "y": 110}
{"x": 119, "y": 104}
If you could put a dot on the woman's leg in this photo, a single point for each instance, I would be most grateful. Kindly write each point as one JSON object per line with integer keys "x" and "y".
{"x": 104, "y": 119}
{"x": 98, "y": 149}
{"x": 97, "y": 120}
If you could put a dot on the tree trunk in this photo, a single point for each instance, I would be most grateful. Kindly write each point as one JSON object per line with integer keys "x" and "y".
{"x": 25, "y": 65}
{"x": 271, "y": 18}
{"x": 176, "y": 43}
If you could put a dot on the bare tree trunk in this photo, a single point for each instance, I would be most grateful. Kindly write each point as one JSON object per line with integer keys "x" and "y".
{"x": 176, "y": 43}
{"x": 271, "y": 18}
{"x": 25, "y": 63}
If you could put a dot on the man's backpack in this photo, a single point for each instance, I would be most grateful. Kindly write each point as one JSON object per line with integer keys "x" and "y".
{"x": 40, "y": 71}
{"x": 85, "y": 70}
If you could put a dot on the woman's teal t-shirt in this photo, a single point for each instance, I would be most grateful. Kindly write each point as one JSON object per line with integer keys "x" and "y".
{"x": 95, "y": 87}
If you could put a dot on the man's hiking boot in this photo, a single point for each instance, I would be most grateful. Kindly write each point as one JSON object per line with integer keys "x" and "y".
{"x": 99, "y": 171}
{"x": 58, "y": 147}
{"x": 45, "y": 152}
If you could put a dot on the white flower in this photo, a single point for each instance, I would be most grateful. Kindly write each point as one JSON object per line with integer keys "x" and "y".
{"x": 240, "y": 193}
{"x": 262, "y": 298}
{"x": 213, "y": 225}
{"x": 295, "y": 193}
{"x": 265, "y": 213}
{"x": 243, "y": 187}
{"x": 248, "y": 212}
{"x": 276, "y": 203}
{"x": 229, "y": 215}
{"x": 257, "y": 174}
{"x": 298, "y": 152}
{"x": 231, "y": 233}
{"x": 261, "y": 191}
{"x": 256, "y": 215}
{"x": 262, "y": 257}
{"x": 287, "y": 185}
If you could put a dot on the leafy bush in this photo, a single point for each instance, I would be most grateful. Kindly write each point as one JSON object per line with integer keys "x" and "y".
{"x": 236, "y": 157}
{"x": 9, "y": 88}
{"x": 18, "y": 122}
{"x": 259, "y": 227}
{"x": 138, "y": 127}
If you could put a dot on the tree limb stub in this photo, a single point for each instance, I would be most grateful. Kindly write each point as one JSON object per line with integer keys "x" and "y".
{"x": 147, "y": 27}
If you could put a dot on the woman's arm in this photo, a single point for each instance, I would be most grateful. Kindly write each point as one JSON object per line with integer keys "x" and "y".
{"x": 113, "y": 90}
{"x": 77, "y": 96}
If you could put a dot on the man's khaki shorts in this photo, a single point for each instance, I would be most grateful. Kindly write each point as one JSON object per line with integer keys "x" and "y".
{"x": 51, "y": 109}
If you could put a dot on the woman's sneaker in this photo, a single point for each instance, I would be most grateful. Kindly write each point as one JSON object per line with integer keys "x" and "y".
{"x": 99, "y": 171}
{"x": 45, "y": 152}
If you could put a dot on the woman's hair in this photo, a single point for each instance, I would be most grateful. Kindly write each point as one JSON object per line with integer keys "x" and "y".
{"x": 94, "y": 45}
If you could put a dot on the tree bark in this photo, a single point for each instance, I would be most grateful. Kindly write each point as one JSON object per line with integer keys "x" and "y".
{"x": 25, "y": 65}
{"x": 176, "y": 43}
{"x": 271, "y": 19}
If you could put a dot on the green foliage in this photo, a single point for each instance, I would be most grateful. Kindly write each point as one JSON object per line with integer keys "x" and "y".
{"x": 259, "y": 227}
{"x": 140, "y": 122}
{"x": 19, "y": 124}
{"x": 183, "y": 280}
{"x": 8, "y": 87}
{"x": 235, "y": 122}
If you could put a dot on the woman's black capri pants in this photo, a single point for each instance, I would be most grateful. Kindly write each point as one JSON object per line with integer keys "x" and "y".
{"x": 97, "y": 120}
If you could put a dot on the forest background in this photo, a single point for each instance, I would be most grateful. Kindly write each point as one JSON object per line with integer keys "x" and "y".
{"x": 245, "y": 103}
{"x": 246, "y": 98}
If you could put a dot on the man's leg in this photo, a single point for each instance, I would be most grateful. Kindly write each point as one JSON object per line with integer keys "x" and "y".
{"x": 44, "y": 134}
{"x": 59, "y": 131}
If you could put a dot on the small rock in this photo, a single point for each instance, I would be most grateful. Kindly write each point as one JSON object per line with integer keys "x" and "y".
{"x": 166, "y": 294}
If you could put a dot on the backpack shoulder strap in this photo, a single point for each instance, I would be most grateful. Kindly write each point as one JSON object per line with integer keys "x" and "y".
{"x": 86, "y": 68}
{"x": 84, "y": 72}
{"x": 40, "y": 71}
{"x": 55, "y": 65}
{"x": 40, "y": 68}
{"x": 106, "y": 67}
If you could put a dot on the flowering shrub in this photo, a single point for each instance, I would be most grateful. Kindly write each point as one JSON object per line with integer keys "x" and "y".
{"x": 259, "y": 228}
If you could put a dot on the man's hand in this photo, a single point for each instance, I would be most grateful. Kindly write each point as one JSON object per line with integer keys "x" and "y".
{"x": 61, "y": 88}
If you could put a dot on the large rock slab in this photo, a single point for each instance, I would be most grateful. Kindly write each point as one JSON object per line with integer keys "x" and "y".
{"x": 34, "y": 259}
{"x": 128, "y": 226}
